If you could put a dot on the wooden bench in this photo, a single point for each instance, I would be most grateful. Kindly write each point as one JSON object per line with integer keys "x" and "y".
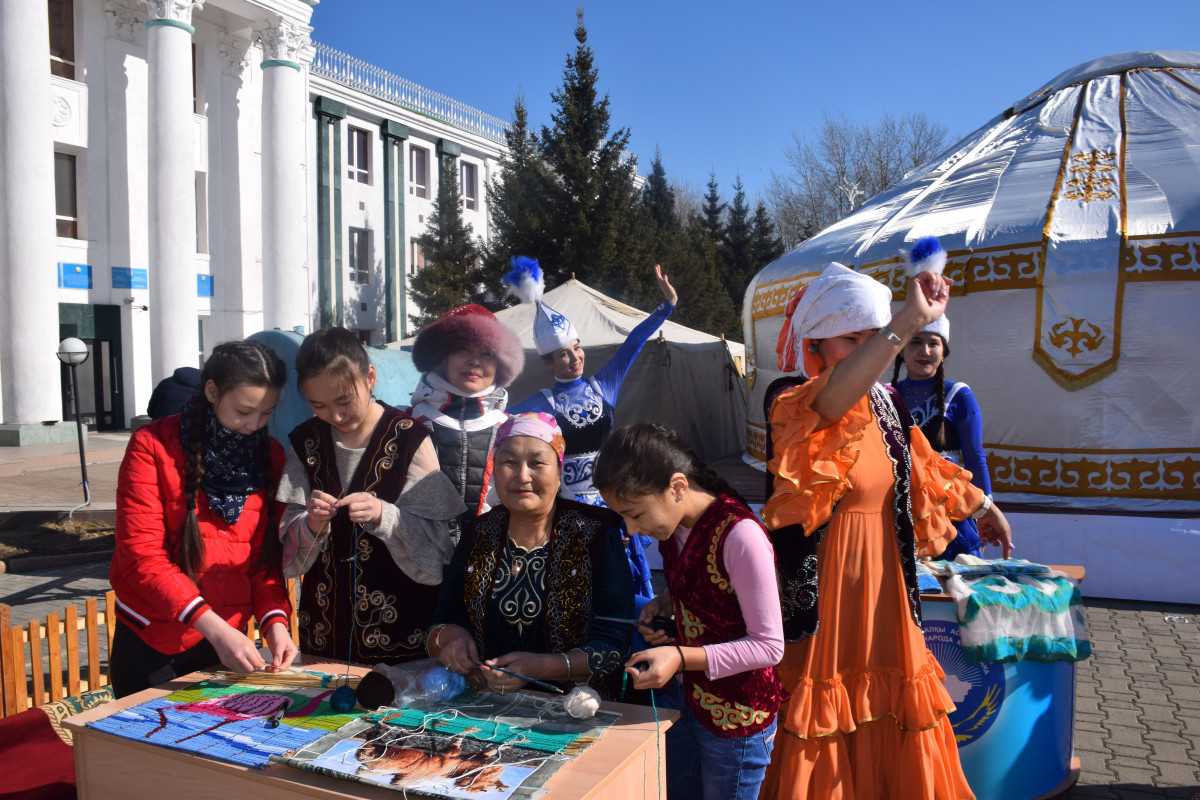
{"x": 23, "y": 687}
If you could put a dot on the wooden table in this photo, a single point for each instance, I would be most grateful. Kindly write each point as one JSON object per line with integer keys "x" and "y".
{"x": 624, "y": 763}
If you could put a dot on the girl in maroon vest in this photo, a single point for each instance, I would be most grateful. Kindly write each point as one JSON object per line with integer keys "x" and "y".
{"x": 718, "y": 663}
{"x": 368, "y": 513}
{"x": 197, "y": 552}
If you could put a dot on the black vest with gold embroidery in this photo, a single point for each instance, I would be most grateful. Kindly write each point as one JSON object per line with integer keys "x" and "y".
{"x": 355, "y": 602}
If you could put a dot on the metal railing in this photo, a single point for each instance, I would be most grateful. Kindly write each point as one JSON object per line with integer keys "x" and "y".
{"x": 355, "y": 74}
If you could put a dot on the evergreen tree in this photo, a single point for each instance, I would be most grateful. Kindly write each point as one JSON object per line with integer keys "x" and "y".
{"x": 451, "y": 276}
{"x": 658, "y": 198}
{"x": 766, "y": 245}
{"x": 591, "y": 223}
{"x": 517, "y": 202}
{"x": 737, "y": 247}
{"x": 711, "y": 212}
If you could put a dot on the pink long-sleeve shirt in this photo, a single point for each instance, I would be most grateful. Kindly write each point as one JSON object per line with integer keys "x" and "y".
{"x": 749, "y": 561}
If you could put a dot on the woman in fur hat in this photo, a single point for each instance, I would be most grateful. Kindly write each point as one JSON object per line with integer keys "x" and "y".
{"x": 468, "y": 358}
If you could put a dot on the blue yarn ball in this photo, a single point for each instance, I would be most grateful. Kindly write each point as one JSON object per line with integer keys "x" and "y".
{"x": 440, "y": 683}
{"x": 342, "y": 699}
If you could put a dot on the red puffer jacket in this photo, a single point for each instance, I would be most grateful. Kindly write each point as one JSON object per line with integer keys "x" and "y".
{"x": 154, "y": 597}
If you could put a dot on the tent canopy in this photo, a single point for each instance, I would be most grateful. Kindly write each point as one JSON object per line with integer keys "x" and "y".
{"x": 683, "y": 378}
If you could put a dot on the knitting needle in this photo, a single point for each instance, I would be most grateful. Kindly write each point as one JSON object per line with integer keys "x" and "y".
{"x": 518, "y": 675}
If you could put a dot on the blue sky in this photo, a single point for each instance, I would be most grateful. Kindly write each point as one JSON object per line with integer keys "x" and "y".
{"x": 722, "y": 86}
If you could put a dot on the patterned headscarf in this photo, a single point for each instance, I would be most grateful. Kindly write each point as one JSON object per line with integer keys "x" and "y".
{"x": 537, "y": 424}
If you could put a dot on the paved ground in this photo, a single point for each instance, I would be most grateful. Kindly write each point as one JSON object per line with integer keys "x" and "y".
{"x": 1137, "y": 720}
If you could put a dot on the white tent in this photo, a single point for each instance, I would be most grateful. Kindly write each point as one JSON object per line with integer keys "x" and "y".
{"x": 684, "y": 379}
{"x": 1072, "y": 223}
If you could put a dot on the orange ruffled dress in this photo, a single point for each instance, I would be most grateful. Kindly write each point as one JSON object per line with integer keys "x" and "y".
{"x": 867, "y": 714}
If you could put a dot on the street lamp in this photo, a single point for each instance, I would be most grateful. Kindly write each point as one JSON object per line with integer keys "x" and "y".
{"x": 73, "y": 352}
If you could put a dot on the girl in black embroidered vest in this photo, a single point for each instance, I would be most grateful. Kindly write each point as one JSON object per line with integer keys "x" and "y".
{"x": 368, "y": 513}
{"x": 721, "y": 589}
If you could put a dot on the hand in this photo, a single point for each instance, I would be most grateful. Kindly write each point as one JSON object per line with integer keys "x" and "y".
{"x": 664, "y": 663}
{"x": 928, "y": 295}
{"x": 664, "y": 286}
{"x": 994, "y": 529}
{"x": 659, "y": 606}
{"x": 364, "y": 508}
{"x": 458, "y": 652}
{"x": 234, "y": 650}
{"x": 279, "y": 641}
{"x": 321, "y": 509}
{"x": 528, "y": 664}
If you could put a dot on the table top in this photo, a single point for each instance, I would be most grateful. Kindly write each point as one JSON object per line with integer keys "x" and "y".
{"x": 637, "y": 728}
{"x": 1076, "y": 573}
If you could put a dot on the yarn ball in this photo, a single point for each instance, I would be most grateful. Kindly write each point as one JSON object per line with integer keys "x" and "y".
{"x": 582, "y": 703}
{"x": 375, "y": 691}
{"x": 342, "y": 699}
{"x": 440, "y": 683}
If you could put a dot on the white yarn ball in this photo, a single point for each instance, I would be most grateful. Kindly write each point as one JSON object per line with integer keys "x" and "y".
{"x": 582, "y": 703}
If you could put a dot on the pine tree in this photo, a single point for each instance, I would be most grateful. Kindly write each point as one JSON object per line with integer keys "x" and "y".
{"x": 517, "y": 200}
{"x": 658, "y": 198}
{"x": 591, "y": 225}
{"x": 737, "y": 246}
{"x": 451, "y": 276}
{"x": 766, "y": 245}
{"x": 711, "y": 222}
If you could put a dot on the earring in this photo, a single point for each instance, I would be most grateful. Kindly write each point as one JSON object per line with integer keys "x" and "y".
{"x": 812, "y": 348}
{"x": 678, "y": 498}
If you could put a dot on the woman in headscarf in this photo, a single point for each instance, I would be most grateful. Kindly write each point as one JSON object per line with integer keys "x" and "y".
{"x": 858, "y": 491}
{"x": 530, "y": 580}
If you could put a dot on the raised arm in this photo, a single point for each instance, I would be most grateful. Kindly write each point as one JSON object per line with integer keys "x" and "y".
{"x": 613, "y": 374}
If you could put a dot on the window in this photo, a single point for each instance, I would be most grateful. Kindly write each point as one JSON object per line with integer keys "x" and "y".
{"x": 358, "y": 155}
{"x": 416, "y": 259}
{"x": 418, "y": 171}
{"x": 360, "y": 256}
{"x": 65, "y": 203}
{"x": 62, "y": 38}
{"x": 364, "y": 336}
{"x": 469, "y": 193}
{"x": 201, "y": 212}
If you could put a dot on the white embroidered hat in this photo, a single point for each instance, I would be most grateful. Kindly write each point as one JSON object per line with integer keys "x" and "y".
{"x": 551, "y": 330}
{"x": 840, "y": 301}
{"x": 940, "y": 326}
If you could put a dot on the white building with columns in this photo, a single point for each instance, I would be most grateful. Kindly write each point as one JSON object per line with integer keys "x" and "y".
{"x": 177, "y": 173}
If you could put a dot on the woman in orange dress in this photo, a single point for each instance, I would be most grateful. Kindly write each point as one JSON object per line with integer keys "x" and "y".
{"x": 858, "y": 494}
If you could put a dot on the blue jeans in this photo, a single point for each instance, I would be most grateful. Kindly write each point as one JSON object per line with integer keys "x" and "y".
{"x": 702, "y": 765}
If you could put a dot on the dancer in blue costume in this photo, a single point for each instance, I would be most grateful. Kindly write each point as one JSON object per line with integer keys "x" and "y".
{"x": 584, "y": 407}
{"x": 946, "y": 412}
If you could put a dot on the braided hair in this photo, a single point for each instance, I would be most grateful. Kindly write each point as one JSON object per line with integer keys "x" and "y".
{"x": 639, "y": 459}
{"x": 231, "y": 364}
{"x": 938, "y": 439}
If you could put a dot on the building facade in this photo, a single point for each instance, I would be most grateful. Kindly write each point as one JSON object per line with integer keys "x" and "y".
{"x": 177, "y": 173}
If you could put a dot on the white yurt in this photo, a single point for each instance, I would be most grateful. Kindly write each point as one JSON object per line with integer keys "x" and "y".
{"x": 1072, "y": 224}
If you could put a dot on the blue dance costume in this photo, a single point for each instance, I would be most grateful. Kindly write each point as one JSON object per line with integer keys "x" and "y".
{"x": 964, "y": 442}
{"x": 584, "y": 409}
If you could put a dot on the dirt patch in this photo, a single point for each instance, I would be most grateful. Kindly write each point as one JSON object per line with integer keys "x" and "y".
{"x": 67, "y": 537}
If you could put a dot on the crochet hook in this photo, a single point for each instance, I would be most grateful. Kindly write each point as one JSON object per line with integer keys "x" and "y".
{"x": 274, "y": 720}
{"x": 519, "y": 676}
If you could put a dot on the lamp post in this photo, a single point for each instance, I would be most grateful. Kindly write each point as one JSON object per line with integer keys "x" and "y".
{"x": 73, "y": 352}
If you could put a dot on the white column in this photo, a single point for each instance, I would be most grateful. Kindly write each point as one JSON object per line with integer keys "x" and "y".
{"x": 29, "y": 370}
{"x": 285, "y": 279}
{"x": 174, "y": 340}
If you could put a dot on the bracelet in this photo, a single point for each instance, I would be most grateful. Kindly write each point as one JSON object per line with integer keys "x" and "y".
{"x": 682, "y": 660}
{"x": 567, "y": 658}
{"x": 888, "y": 334}
{"x": 984, "y": 507}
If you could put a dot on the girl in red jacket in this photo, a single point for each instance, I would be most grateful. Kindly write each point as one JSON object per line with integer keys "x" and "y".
{"x": 197, "y": 548}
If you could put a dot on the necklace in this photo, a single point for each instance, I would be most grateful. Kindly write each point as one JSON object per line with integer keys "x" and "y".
{"x": 520, "y": 554}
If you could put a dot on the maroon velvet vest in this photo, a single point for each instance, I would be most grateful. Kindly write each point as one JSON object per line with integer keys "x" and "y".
{"x": 355, "y": 602}
{"x": 707, "y": 612}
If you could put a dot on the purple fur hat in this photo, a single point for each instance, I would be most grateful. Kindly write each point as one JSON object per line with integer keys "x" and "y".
{"x": 469, "y": 326}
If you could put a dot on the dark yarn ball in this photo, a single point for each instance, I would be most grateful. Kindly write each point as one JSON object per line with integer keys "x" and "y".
{"x": 375, "y": 691}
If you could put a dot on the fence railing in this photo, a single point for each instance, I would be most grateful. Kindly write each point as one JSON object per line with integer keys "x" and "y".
{"x": 356, "y": 74}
